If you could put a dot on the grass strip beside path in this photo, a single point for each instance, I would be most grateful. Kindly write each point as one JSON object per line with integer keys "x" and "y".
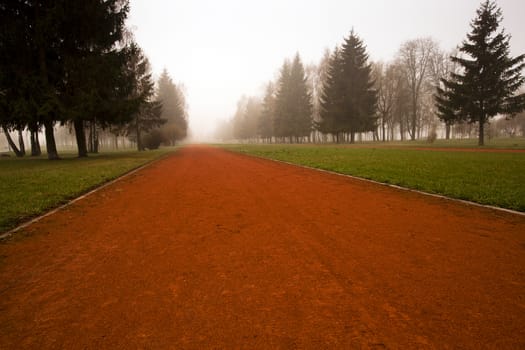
{"x": 32, "y": 186}
{"x": 488, "y": 178}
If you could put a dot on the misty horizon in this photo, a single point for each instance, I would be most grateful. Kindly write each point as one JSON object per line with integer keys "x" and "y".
{"x": 220, "y": 52}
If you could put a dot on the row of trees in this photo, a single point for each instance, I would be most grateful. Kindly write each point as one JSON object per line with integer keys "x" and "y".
{"x": 423, "y": 90}
{"x": 75, "y": 63}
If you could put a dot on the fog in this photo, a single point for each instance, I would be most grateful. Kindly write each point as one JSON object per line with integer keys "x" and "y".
{"x": 221, "y": 50}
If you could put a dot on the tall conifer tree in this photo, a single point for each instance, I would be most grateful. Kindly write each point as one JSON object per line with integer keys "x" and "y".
{"x": 293, "y": 113}
{"x": 264, "y": 124}
{"x": 173, "y": 109}
{"x": 281, "y": 125}
{"x": 360, "y": 97}
{"x": 349, "y": 100}
{"x": 331, "y": 114}
{"x": 300, "y": 101}
{"x": 490, "y": 77}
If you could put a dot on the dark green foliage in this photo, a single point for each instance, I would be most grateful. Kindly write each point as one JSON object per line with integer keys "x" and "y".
{"x": 349, "y": 100}
{"x": 490, "y": 77}
{"x": 301, "y": 100}
{"x": 360, "y": 97}
{"x": 147, "y": 112}
{"x": 173, "y": 109}
{"x": 152, "y": 139}
{"x": 332, "y": 111}
{"x": 64, "y": 61}
{"x": 93, "y": 64}
{"x": 246, "y": 118}
{"x": 446, "y": 111}
{"x": 293, "y": 105}
{"x": 22, "y": 97}
{"x": 265, "y": 121}
{"x": 281, "y": 125}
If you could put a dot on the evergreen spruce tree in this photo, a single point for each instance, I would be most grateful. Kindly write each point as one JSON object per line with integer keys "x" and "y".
{"x": 264, "y": 124}
{"x": 282, "y": 117}
{"x": 349, "y": 100}
{"x": 360, "y": 98}
{"x": 490, "y": 77}
{"x": 173, "y": 109}
{"x": 293, "y": 113}
{"x": 62, "y": 64}
{"x": 331, "y": 114}
{"x": 300, "y": 101}
{"x": 147, "y": 110}
{"x": 92, "y": 63}
{"x": 446, "y": 111}
{"x": 251, "y": 116}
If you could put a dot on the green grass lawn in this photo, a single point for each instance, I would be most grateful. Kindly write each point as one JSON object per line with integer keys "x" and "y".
{"x": 31, "y": 186}
{"x": 489, "y": 178}
{"x": 493, "y": 143}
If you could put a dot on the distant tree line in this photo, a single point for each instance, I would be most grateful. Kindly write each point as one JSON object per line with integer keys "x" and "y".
{"x": 74, "y": 63}
{"x": 421, "y": 91}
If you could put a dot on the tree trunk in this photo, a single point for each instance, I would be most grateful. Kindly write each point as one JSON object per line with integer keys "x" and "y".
{"x": 402, "y": 129}
{"x": 383, "y": 129}
{"x": 51, "y": 146}
{"x": 139, "y": 142}
{"x": 414, "y": 120}
{"x": 81, "y": 138}
{"x": 35, "y": 144}
{"x": 89, "y": 128}
{"x": 11, "y": 143}
{"x": 93, "y": 137}
{"x": 447, "y": 131}
{"x": 21, "y": 143}
{"x": 96, "y": 141}
{"x": 37, "y": 139}
{"x": 481, "y": 139}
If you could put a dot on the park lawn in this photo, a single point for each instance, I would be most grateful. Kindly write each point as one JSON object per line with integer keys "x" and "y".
{"x": 484, "y": 177}
{"x": 31, "y": 186}
{"x": 517, "y": 143}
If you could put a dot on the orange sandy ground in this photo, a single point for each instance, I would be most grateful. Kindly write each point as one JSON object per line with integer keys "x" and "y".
{"x": 210, "y": 249}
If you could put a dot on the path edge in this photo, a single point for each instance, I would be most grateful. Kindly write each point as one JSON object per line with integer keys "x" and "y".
{"x": 435, "y": 195}
{"x": 6, "y": 235}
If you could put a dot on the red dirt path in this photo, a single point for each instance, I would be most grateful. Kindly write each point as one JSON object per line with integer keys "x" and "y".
{"x": 210, "y": 249}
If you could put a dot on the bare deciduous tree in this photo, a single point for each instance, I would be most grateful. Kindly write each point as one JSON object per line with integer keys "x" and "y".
{"x": 442, "y": 67}
{"x": 386, "y": 85}
{"x": 414, "y": 57}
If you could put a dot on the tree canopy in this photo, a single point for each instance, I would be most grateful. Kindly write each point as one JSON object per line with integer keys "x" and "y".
{"x": 349, "y": 98}
{"x": 173, "y": 109}
{"x": 489, "y": 79}
{"x": 75, "y": 63}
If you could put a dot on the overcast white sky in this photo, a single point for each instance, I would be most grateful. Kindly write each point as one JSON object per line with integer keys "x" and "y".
{"x": 221, "y": 50}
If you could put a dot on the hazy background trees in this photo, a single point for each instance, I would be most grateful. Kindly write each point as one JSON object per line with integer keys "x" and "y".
{"x": 396, "y": 100}
{"x": 293, "y": 104}
{"x": 174, "y": 110}
{"x": 414, "y": 59}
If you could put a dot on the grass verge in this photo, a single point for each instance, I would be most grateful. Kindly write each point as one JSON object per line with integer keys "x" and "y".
{"x": 488, "y": 178}
{"x": 517, "y": 143}
{"x": 32, "y": 186}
